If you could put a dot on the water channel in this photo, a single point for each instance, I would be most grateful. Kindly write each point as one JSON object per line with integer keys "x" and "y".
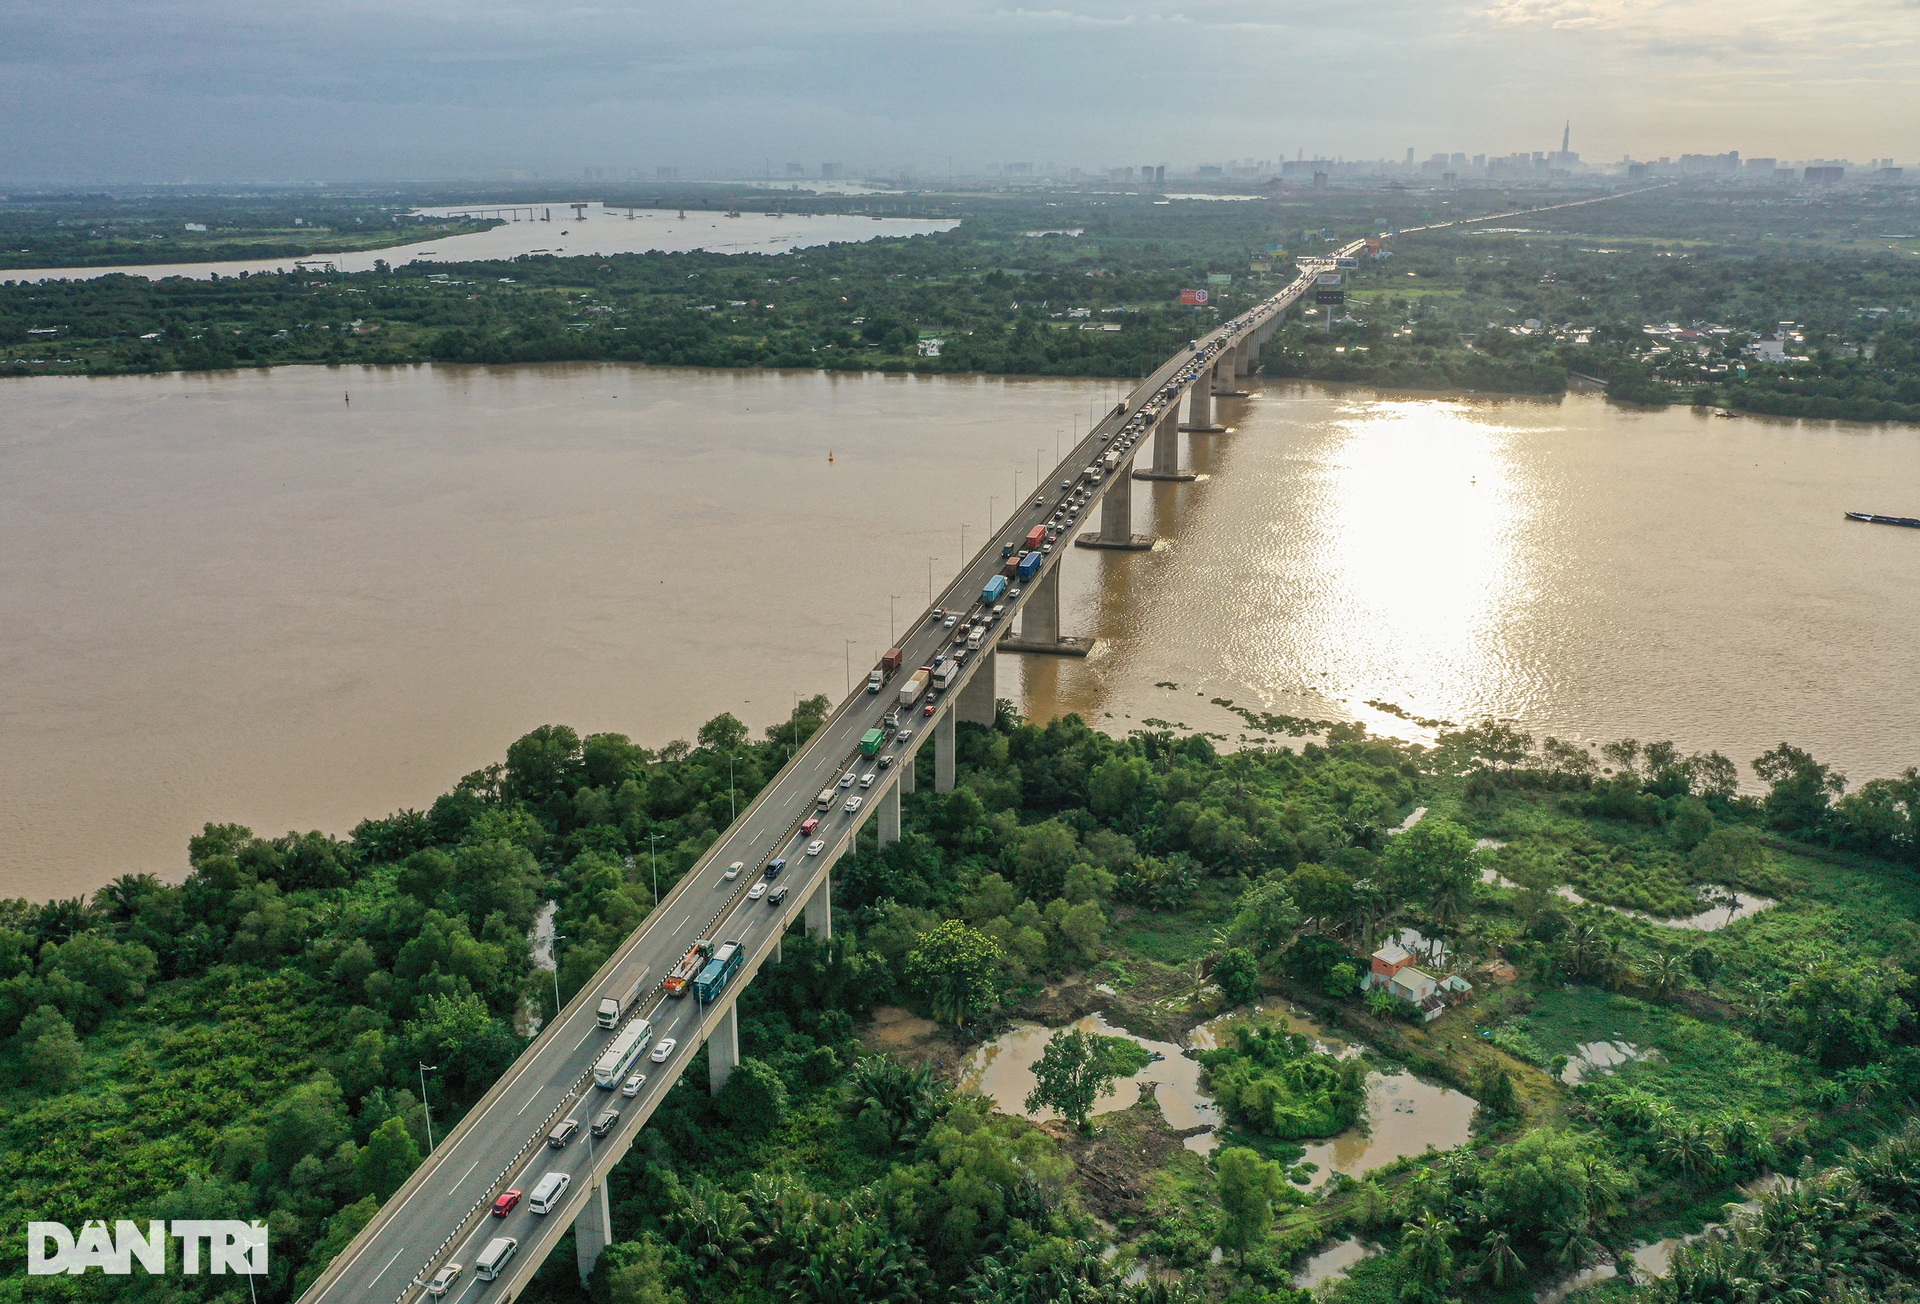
{"x": 237, "y": 596}
{"x": 601, "y": 232}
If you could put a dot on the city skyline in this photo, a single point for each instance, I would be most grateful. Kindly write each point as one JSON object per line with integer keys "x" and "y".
{"x": 422, "y": 88}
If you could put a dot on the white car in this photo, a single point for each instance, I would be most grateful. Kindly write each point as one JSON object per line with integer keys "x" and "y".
{"x": 866, "y": 780}
{"x": 853, "y": 804}
{"x": 442, "y": 1279}
{"x": 633, "y": 1084}
{"x": 757, "y": 891}
{"x": 663, "y": 1050}
{"x": 951, "y": 621}
{"x": 733, "y": 870}
{"x": 846, "y": 780}
{"x": 1013, "y": 593}
{"x": 815, "y": 847}
{"x": 905, "y": 735}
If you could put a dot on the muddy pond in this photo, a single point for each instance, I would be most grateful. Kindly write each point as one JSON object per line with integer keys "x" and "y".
{"x": 1404, "y": 1116}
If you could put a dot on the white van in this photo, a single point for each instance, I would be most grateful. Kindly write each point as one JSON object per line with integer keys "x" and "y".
{"x": 548, "y": 1192}
{"x": 492, "y": 1259}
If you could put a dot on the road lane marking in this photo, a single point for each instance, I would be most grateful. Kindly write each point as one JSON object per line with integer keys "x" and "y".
{"x": 389, "y": 1263}
{"x": 464, "y": 1176}
{"x": 583, "y": 1041}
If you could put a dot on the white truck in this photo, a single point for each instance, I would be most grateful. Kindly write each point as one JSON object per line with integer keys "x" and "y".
{"x": 945, "y": 675}
{"x": 876, "y": 680}
{"x": 916, "y": 684}
{"x": 620, "y": 998}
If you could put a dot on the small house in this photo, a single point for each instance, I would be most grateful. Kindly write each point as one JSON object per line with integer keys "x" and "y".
{"x": 1388, "y": 961}
{"x": 1413, "y": 986}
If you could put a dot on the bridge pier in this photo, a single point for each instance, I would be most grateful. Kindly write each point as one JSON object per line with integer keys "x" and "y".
{"x": 1225, "y": 368}
{"x": 723, "y": 1049}
{"x": 1166, "y": 438}
{"x": 976, "y": 704}
{"x": 1116, "y": 516}
{"x": 592, "y": 1230}
{"x": 908, "y": 765}
{"x": 1040, "y": 626}
{"x": 943, "y": 749}
{"x": 819, "y": 911}
{"x": 890, "y": 816}
{"x": 1199, "y": 406}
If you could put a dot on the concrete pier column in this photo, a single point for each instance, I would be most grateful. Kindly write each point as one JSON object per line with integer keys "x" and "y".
{"x": 1240, "y": 358}
{"x": 976, "y": 704}
{"x": 908, "y": 764}
{"x": 1166, "y": 444}
{"x": 819, "y": 912}
{"x": 778, "y": 947}
{"x": 890, "y": 816}
{"x": 943, "y": 749}
{"x": 1199, "y": 405}
{"x": 723, "y": 1049}
{"x": 592, "y": 1230}
{"x": 1116, "y": 516}
{"x": 1040, "y": 618}
{"x": 1223, "y": 373}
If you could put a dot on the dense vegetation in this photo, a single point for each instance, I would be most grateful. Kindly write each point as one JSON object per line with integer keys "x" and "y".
{"x": 1677, "y": 295}
{"x": 246, "y": 1041}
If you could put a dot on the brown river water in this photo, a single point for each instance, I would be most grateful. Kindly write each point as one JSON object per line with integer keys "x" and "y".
{"x": 239, "y": 597}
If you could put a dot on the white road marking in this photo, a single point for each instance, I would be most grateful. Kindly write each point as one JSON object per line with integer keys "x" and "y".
{"x": 464, "y": 1176}
{"x": 583, "y": 1041}
{"x": 389, "y": 1263}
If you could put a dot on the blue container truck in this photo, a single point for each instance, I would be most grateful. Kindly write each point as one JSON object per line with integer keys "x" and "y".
{"x": 996, "y": 589}
{"x": 1030, "y": 566}
{"x": 719, "y": 972}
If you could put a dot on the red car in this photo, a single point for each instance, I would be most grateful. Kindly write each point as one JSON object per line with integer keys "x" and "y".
{"x": 504, "y": 1205}
{"x": 928, "y": 710}
{"x": 808, "y": 825}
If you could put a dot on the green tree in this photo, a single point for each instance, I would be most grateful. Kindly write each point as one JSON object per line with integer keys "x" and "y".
{"x": 1426, "y": 1247}
{"x": 387, "y": 1160}
{"x": 1266, "y": 917}
{"x": 1434, "y": 862}
{"x": 1248, "y": 1185}
{"x": 1238, "y": 975}
{"x": 724, "y": 733}
{"x": 639, "y": 1274}
{"x": 1800, "y": 789}
{"x": 1727, "y": 855}
{"x": 49, "y": 1050}
{"x": 958, "y": 968}
{"x": 754, "y": 1101}
{"x": 1070, "y": 1076}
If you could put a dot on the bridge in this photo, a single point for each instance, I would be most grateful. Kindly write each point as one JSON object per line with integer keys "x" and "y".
{"x": 442, "y": 1214}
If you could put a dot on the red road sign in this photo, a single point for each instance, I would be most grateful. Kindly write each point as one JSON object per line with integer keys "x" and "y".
{"x": 1195, "y": 297}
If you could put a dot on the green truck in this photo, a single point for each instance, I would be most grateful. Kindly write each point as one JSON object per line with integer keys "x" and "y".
{"x": 870, "y": 741}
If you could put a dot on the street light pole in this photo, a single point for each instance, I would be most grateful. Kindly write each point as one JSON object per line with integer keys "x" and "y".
{"x": 930, "y": 562}
{"x": 733, "y": 812}
{"x": 848, "y": 652}
{"x": 892, "y": 627}
{"x": 424, "y": 1070}
{"x": 553, "y": 954}
{"x": 653, "y": 851}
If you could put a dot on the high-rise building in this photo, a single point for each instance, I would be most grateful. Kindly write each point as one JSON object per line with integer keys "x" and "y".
{"x": 829, "y": 171}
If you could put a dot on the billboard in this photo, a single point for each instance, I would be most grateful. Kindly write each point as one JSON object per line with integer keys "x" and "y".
{"x": 1195, "y": 297}
{"x": 1327, "y": 278}
{"x": 1260, "y": 265}
{"x": 1329, "y": 296}
{"x": 1219, "y": 278}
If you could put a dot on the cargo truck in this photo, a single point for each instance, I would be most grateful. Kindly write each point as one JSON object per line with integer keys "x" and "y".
{"x": 719, "y": 972}
{"x": 690, "y": 963}
{"x": 945, "y": 675}
{"x": 871, "y": 740}
{"x": 891, "y": 661}
{"x": 917, "y": 682}
{"x": 876, "y": 680}
{"x": 995, "y": 590}
{"x": 615, "y": 1004}
{"x": 1036, "y": 536}
{"x": 975, "y": 637}
{"x": 1030, "y": 564}
{"x": 1011, "y": 566}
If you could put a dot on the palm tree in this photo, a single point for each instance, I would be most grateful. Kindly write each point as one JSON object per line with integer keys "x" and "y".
{"x": 1581, "y": 943}
{"x": 1499, "y": 1261}
{"x": 1666, "y": 973}
{"x": 1426, "y": 1246}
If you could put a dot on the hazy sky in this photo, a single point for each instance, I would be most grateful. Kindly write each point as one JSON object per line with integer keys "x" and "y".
{"x": 99, "y": 90}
